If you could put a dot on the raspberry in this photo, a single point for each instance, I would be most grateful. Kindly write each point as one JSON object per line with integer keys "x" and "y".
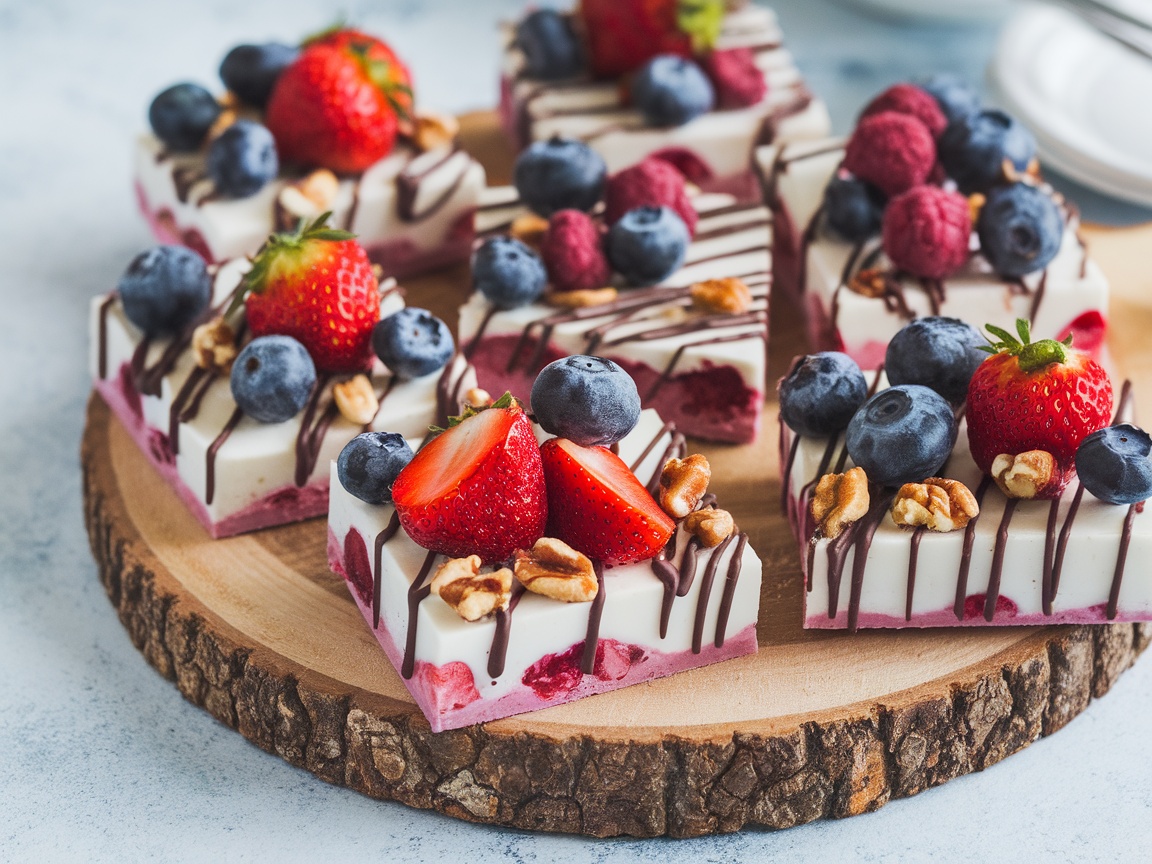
{"x": 892, "y": 151}
{"x": 926, "y": 231}
{"x": 652, "y": 183}
{"x": 573, "y": 252}
{"x": 738, "y": 81}
{"x": 911, "y": 100}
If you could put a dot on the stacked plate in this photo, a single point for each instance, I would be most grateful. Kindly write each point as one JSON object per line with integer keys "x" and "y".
{"x": 1087, "y": 98}
{"x": 941, "y": 10}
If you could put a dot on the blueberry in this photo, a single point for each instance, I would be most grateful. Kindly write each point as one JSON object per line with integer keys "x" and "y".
{"x": 1020, "y": 229}
{"x": 941, "y": 353}
{"x": 508, "y": 273}
{"x": 250, "y": 71}
{"x": 670, "y": 90}
{"x": 369, "y": 463}
{"x": 165, "y": 289}
{"x": 973, "y": 149}
{"x": 821, "y": 393}
{"x": 902, "y": 435}
{"x": 854, "y": 209}
{"x": 412, "y": 342}
{"x": 647, "y": 245}
{"x": 272, "y": 378}
{"x": 589, "y": 400}
{"x": 551, "y": 49}
{"x": 559, "y": 174}
{"x": 182, "y": 115}
{"x": 242, "y": 159}
{"x": 953, "y": 94}
{"x": 1113, "y": 464}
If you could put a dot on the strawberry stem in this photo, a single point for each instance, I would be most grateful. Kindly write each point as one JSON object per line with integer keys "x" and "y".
{"x": 1032, "y": 356}
{"x": 1036, "y": 355}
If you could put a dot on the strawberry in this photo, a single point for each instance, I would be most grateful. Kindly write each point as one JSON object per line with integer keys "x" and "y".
{"x": 622, "y": 35}
{"x": 339, "y": 104}
{"x": 597, "y": 506}
{"x": 1035, "y": 396}
{"x": 317, "y": 286}
{"x": 477, "y": 488}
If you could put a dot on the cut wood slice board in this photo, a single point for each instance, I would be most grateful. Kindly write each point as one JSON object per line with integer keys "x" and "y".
{"x": 256, "y": 630}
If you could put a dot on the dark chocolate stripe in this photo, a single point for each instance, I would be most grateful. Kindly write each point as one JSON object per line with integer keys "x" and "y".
{"x": 377, "y": 575}
{"x": 994, "y": 576}
{"x": 966, "y": 554}
{"x": 592, "y": 637}
{"x": 417, "y": 591}
{"x": 213, "y": 449}
{"x": 735, "y": 565}
{"x": 706, "y": 580}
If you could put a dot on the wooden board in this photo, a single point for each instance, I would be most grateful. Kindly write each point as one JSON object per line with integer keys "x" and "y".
{"x": 257, "y": 631}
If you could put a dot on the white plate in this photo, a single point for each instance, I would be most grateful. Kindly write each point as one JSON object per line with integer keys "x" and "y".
{"x": 941, "y": 10}
{"x": 1087, "y": 99}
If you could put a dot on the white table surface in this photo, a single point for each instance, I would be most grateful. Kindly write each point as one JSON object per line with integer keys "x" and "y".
{"x": 100, "y": 758}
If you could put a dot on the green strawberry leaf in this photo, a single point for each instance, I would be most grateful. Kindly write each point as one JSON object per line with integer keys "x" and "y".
{"x": 1022, "y": 329}
{"x": 505, "y": 401}
{"x": 701, "y": 20}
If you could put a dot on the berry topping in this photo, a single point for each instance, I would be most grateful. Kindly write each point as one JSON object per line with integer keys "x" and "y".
{"x": 588, "y": 400}
{"x": 648, "y": 245}
{"x": 1114, "y": 464}
{"x": 927, "y": 231}
{"x": 412, "y": 342}
{"x": 738, "y": 81}
{"x": 551, "y": 49}
{"x": 854, "y": 209}
{"x": 477, "y": 488}
{"x": 954, "y": 96}
{"x": 508, "y": 273}
{"x": 902, "y": 435}
{"x": 369, "y": 464}
{"x": 1020, "y": 229}
{"x": 250, "y": 71}
{"x": 622, "y": 35}
{"x": 821, "y": 393}
{"x": 1040, "y": 395}
{"x": 973, "y": 149}
{"x": 941, "y": 353}
{"x": 315, "y": 285}
{"x": 559, "y": 174}
{"x": 913, "y": 101}
{"x": 182, "y": 115}
{"x": 272, "y": 378}
{"x": 598, "y": 507}
{"x": 165, "y": 289}
{"x": 651, "y": 183}
{"x": 338, "y": 105}
{"x": 242, "y": 159}
{"x": 892, "y": 151}
{"x": 670, "y": 90}
{"x": 573, "y": 252}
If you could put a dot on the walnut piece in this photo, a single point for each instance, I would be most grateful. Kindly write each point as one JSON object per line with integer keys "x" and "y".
{"x": 472, "y": 594}
{"x": 683, "y": 483}
{"x": 710, "y": 526}
{"x": 478, "y": 397}
{"x": 939, "y": 504}
{"x": 729, "y": 295}
{"x": 434, "y": 130}
{"x": 529, "y": 228}
{"x": 224, "y": 119}
{"x": 556, "y": 570}
{"x": 214, "y": 345}
{"x": 356, "y": 399}
{"x": 871, "y": 282}
{"x": 582, "y": 298}
{"x": 307, "y": 197}
{"x": 1024, "y": 475}
{"x": 839, "y": 500}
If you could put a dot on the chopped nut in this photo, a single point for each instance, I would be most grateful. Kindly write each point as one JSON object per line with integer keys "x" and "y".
{"x": 214, "y": 345}
{"x": 582, "y": 298}
{"x": 307, "y": 197}
{"x": 356, "y": 399}
{"x": 472, "y": 594}
{"x": 728, "y": 295}
{"x": 975, "y": 204}
{"x": 228, "y": 99}
{"x": 1024, "y": 475}
{"x": 710, "y": 526}
{"x": 871, "y": 282}
{"x": 223, "y": 120}
{"x": 554, "y": 569}
{"x": 839, "y": 500}
{"x": 938, "y": 503}
{"x": 529, "y": 228}
{"x": 434, "y": 130}
{"x": 683, "y": 483}
{"x": 478, "y": 397}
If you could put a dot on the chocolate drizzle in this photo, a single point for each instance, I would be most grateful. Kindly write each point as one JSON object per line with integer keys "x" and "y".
{"x": 913, "y": 555}
{"x": 408, "y": 183}
{"x": 993, "y": 593}
{"x": 377, "y": 574}
{"x": 213, "y": 449}
{"x": 499, "y": 651}
{"x": 417, "y": 591}
{"x": 595, "y": 612}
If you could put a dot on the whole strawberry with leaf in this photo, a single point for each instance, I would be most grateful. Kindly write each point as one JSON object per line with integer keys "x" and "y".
{"x": 340, "y": 103}
{"x": 316, "y": 285}
{"x": 1042, "y": 395}
{"x": 623, "y": 35}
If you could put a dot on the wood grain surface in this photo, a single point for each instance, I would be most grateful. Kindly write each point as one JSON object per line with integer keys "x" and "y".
{"x": 257, "y": 631}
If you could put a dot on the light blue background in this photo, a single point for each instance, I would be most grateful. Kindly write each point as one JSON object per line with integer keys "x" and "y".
{"x": 100, "y": 759}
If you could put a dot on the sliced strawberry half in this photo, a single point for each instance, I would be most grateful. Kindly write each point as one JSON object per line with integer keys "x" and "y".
{"x": 597, "y": 505}
{"x": 477, "y": 488}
